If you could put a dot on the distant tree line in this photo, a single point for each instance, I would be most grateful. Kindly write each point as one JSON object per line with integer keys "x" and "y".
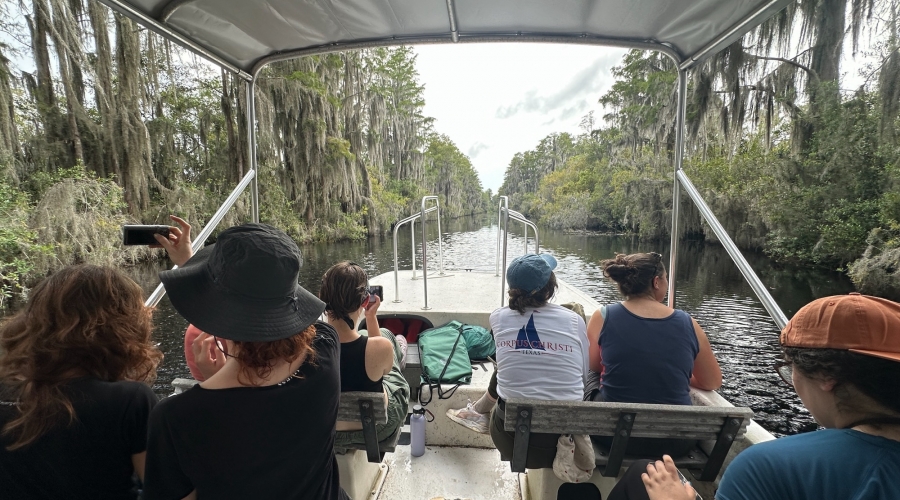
{"x": 103, "y": 122}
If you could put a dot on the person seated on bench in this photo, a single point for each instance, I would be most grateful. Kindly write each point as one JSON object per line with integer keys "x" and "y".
{"x": 542, "y": 353}
{"x": 370, "y": 360}
{"x": 645, "y": 351}
{"x": 75, "y": 391}
{"x": 842, "y": 356}
{"x": 262, "y": 424}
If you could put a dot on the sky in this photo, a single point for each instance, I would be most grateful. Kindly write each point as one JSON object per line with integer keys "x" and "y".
{"x": 496, "y": 100}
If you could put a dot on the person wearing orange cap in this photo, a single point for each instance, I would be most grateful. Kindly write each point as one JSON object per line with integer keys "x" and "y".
{"x": 842, "y": 356}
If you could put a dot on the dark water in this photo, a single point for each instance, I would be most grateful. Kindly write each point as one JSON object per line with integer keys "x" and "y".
{"x": 709, "y": 287}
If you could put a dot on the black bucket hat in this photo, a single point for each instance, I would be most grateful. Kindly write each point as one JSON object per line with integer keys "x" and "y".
{"x": 244, "y": 287}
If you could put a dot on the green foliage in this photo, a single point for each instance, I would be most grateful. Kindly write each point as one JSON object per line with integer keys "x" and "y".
{"x": 17, "y": 242}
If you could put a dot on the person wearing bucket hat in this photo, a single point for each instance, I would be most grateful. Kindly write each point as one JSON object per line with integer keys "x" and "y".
{"x": 278, "y": 384}
{"x": 541, "y": 354}
{"x": 842, "y": 356}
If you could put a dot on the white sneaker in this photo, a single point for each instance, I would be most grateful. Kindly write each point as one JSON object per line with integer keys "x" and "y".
{"x": 470, "y": 418}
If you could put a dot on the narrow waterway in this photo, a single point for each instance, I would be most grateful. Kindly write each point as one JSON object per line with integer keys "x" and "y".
{"x": 709, "y": 287}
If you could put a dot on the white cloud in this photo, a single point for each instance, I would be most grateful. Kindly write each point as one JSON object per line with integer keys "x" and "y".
{"x": 495, "y": 100}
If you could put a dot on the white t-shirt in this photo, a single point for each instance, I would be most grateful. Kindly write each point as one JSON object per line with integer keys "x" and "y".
{"x": 541, "y": 354}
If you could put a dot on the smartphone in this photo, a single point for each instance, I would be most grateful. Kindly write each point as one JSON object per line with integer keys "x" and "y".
{"x": 684, "y": 480}
{"x": 142, "y": 235}
{"x": 376, "y": 290}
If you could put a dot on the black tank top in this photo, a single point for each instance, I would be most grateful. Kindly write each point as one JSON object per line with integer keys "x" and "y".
{"x": 353, "y": 367}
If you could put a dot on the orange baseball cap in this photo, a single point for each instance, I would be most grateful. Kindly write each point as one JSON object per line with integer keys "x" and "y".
{"x": 858, "y": 323}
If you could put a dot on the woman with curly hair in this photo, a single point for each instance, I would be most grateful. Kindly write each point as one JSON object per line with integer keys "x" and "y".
{"x": 262, "y": 423}
{"x": 74, "y": 393}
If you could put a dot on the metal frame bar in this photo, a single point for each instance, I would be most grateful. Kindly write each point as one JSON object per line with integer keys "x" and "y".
{"x": 437, "y": 205}
{"x": 451, "y": 12}
{"x": 505, "y": 215}
{"x": 214, "y": 221}
{"x": 574, "y": 39}
{"x": 743, "y": 266}
{"x": 680, "y": 111}
{"x": 251, "y": 145}
{"x": 730, "y": 35}
{"x": 411, "y": 218}
{"x": 504, "y": 201}
{"x": 168, "y": 33}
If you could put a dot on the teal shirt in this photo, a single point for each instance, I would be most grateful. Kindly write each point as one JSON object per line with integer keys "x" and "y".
{"x": 833, "y": 463}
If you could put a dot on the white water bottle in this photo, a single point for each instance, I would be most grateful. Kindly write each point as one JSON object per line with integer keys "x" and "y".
{"x": 417, "y": 431}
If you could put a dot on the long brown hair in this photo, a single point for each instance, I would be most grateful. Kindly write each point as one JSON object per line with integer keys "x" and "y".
{"x": 82, "y": 321}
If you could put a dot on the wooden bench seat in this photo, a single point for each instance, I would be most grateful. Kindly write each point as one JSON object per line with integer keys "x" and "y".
{"x": 369, "y": 409}
{"x": 714, "y": 426}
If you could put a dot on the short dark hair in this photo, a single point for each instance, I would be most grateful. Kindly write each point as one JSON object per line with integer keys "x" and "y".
{"x": 634, "y": 273}
{"x": 875, "y": 377}
{"x": 520, "y": 299}
{"x": 344, "y": 287}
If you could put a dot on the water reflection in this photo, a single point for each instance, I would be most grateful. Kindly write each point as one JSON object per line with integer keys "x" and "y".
{"x": 709, "y": 287}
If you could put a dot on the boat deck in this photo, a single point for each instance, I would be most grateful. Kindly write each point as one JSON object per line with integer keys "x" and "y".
{"x": 465, "y": 296}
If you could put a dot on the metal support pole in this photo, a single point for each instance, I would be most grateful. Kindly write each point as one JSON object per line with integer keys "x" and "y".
{"x": 743, "y": 266}
{"x": 505, "y": 217}
{"x": 251, "y": 133}
{"x": 676, "y": 191}
{"x": 504, "y": 200}
{"x": 437, "y": 203}
{"x": 412, "y": 240}
{"x": 424, "y": 255}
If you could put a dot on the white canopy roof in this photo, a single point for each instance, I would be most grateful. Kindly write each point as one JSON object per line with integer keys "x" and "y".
{"x": 244, "y": 35}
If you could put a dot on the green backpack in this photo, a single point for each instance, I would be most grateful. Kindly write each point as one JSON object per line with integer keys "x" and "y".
{"x": 445, "y": 360}
{"x": 479, "y": 342}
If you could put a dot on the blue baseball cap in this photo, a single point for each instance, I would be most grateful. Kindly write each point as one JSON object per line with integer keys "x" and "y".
{"x": 530, "y": 272}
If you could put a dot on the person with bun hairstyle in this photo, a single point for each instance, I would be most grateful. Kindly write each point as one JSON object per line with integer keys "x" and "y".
{"x": 74, "y": 388}
{"x": 643, "y": 351}
{"x": 370, "y": 360}
{"x": 842, "y": 356}
{"x": 262, "y": 423}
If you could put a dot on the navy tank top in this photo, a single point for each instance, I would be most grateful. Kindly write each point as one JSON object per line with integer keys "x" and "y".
{"x": 353, "y": 367}
{"x": 647, "y": 360}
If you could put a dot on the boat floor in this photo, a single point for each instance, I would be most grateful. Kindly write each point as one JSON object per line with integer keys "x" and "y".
{"x": 465, "y": 296}
{"x": 449, "y": 473}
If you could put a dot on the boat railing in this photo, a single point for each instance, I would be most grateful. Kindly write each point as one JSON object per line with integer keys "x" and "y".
{"x": 214, "y": 221}
{"x": 504, "y": 214}
{"x": 412, "y": 221}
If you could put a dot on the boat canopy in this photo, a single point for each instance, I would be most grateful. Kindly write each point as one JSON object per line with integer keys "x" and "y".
{"x": 245, "y": 35}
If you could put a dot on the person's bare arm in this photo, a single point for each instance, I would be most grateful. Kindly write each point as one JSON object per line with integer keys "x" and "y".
{"x": 138, "y": 460}
{"x": 595, "y": 324}
{"x": 372, "y": 318}
{"x": 178, "y": 244}
{"x": 706, "y": 374}
{"x": 191, "y": 496}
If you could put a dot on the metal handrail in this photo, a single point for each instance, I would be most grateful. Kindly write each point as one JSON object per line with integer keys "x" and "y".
{"x": 755, "y": 283}
{"x": 504, "y": 201}
{"x": 214, "y": 221}
{"x": 412, "y": 220}
{"x": 512, "y": 214}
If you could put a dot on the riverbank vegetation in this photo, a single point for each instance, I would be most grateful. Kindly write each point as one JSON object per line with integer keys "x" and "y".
{"x": 104, "y": 123}
{"x": 790, "y": 160}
